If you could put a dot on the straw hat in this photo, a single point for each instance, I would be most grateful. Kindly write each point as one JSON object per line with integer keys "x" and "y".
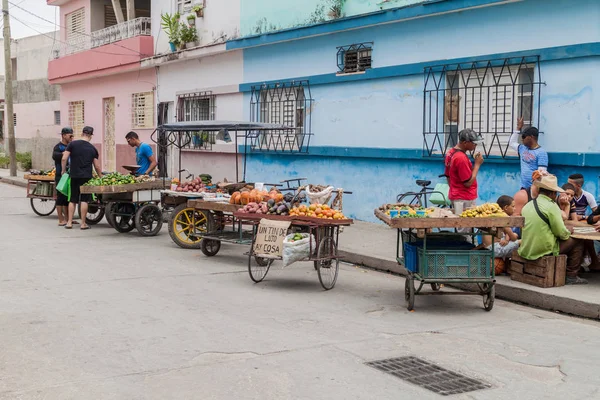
{"x": 548, "y": 182}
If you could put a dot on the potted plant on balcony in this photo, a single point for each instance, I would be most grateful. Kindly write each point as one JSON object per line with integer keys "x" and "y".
{"x": 199, "y": 10}
{"x": 191, "y": 19}
{"x": 170, "y": 24}
{"x": 189, "y": 36}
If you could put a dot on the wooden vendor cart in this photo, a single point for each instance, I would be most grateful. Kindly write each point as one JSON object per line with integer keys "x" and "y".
{"x": 128, "y": 207}
{"x": 436, "y": 252}
{"x": 190, "y": 219}
{"x": 325, "y": 254}
{"x": 41, "y": 192}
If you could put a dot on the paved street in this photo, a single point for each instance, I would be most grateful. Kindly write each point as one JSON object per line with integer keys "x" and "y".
{"x": 101, "y": 315}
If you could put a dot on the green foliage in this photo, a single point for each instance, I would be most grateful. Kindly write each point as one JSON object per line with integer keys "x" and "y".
{"x": 188, "y": 33}
{"x": 191, "y": 17}
{"x": 25, "y": 160}
{"x": 170, "y": 24}
{"x": 4, "y": 161}
{"x": 197, "y": 8}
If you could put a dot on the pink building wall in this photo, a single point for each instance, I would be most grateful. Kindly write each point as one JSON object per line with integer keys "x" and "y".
{"x": 121, "y": 87}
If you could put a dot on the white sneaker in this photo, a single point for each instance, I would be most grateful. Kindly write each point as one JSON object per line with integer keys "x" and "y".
{"x": 587, "y": 261}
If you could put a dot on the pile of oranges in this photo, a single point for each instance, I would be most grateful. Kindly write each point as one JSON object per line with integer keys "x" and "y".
{"x": 317, "y": 211}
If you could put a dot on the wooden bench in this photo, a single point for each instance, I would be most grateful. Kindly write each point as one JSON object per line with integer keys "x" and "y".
{"x": 545, "y": 272}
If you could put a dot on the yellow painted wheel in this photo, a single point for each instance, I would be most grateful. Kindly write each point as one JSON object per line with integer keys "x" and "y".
{"x": 185, "y": 224}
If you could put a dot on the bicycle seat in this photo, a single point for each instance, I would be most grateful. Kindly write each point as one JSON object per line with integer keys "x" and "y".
{"x": 423, "y": 183}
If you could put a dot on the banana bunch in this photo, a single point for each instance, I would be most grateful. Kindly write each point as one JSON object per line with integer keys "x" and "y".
{"x": 484, "y": 210}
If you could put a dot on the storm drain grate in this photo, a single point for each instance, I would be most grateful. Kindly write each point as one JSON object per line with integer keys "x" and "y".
{"x": 429, "y": 376}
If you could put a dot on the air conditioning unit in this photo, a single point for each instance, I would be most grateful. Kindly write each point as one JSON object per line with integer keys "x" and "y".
{"x": 56, "y": 54}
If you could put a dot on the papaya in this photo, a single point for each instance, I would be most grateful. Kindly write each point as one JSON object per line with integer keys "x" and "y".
{"x": 245, "y": 198}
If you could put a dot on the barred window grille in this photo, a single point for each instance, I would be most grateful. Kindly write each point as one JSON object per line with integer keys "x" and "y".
{"x": 77, "y": 116}
{"x": 197, "y": 106}
{"x": 142, "y": 110}
{"x": 286, "y": 103}
{"x": 15, "y": 119}
{"x": 75, "y": 30}
{"x": 56, "y": 117}
{"x": 487, "y": 96}
{"x": 354, "y": 58}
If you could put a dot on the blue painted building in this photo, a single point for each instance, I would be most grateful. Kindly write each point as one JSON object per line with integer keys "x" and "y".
{"x": 385, "y": 85}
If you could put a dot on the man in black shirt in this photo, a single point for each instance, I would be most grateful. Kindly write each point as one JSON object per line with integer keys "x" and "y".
{"x": 62, "y": 203}
{"x": 83, "y": 156}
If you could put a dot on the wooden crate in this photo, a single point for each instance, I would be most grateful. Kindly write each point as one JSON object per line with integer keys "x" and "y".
{"x": 545, "y": 272}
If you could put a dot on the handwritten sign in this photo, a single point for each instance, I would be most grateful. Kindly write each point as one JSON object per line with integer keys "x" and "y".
{"x": 269, "y": 237}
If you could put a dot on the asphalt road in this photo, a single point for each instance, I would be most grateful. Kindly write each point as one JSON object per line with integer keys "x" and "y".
{"x": 101, "y": 315}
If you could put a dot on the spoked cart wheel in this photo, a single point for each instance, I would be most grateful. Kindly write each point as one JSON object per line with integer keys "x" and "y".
{"x": 184, "y": 225}
{"x": 148, "y": 220}
{"x": 409, "y": 293}
{"x": 42, "y": 207}
{"x": 122, "y": 217}
{"x": 489, "y": 295}
{"x": 95, "y": 213}
{"x": 258, "y": 270}
{"x": 327, "y": 263}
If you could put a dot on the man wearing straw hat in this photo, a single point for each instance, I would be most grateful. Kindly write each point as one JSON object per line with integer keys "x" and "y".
{"x": 545, "y": 232}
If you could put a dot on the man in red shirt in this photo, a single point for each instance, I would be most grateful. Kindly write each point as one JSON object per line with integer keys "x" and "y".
{"x": 462, "y": 175}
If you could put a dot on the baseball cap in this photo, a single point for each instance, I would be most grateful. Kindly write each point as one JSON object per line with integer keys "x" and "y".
{"x": 469, "y": 135}
{"x": 66, "y": 130}
{"x": 531, "y": 131}
{"x": 88, "y": 130}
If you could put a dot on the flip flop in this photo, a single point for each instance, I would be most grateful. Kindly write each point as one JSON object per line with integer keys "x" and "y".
{"x": 68, "y": 227}
{"x": 62, "y": 224}
{"x": 75, "y": 222}
{"x": 83, "y": 228}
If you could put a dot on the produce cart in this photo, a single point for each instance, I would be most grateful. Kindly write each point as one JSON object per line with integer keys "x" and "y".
{"x": 127, "y": 206}
{"x": 323, "y": 252}
{"x": 436, "y": 252}
{"x": 41, "y": 191}
{"x": 193, "y": 217}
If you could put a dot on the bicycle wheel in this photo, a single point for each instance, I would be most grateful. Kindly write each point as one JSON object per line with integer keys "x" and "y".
{"x": 258, "y": 271}
{"x": 95, "y": 213}
{"x": 42, "y": 207}
{"x": 328, "y": 265}
{"x": 412, "y": 198}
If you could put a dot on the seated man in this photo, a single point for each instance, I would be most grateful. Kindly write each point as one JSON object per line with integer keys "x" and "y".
{"x": 545, "y": 232}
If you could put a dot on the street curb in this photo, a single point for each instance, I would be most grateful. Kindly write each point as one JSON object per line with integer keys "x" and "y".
{"x": 13, "y": 181}
{"x": 515, "y": 294}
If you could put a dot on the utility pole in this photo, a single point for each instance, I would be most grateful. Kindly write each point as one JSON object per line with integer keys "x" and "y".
{"x": 8, "y": 109}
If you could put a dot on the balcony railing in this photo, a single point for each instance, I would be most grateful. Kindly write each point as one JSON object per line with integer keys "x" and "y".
{"x": 102, "y": 37}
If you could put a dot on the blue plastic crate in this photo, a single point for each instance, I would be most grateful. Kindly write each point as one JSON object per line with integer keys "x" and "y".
{"x": 454, "y": 264}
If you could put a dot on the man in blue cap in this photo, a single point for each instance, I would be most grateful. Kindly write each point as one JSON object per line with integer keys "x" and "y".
{"x": 62, "y": 203}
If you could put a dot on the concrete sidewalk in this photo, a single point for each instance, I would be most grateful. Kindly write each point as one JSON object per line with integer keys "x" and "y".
{"x": 374, "y": 245}
{"x": 13, "y": 180}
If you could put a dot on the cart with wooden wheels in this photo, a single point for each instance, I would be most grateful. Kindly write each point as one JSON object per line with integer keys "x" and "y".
{"x": 444, "y": 256}
{"x": 184, "y": 222}
{"x": 41, "y": 192}
{"x": 324, "y": 254}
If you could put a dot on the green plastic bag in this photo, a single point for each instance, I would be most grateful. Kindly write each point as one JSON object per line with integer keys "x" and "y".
{"x": 439, "y": 197}
{"x": 64, "y": 185}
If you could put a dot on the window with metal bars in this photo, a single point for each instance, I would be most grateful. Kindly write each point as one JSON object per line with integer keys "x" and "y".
{"x": 142, "y": 110}
{"x": 56, "y": 117}
{"x": 354, "y": 58}
{"x": 197, "y": 106}
{"x": 285, "y": 103}
{"x": 77, "y": 116}
{"x": 183, "y": 5}
{"x": 15, "y": 119}
{"x": 486, "y": 96}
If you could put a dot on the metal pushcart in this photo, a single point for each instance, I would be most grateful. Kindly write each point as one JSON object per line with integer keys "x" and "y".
{"x": 324, "y": 255}
{"x": 41, "y": 192}
{"x": 444, "y": 256}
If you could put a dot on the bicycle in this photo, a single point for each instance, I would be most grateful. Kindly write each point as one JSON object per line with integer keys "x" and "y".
{"x": 420, "y": 198}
